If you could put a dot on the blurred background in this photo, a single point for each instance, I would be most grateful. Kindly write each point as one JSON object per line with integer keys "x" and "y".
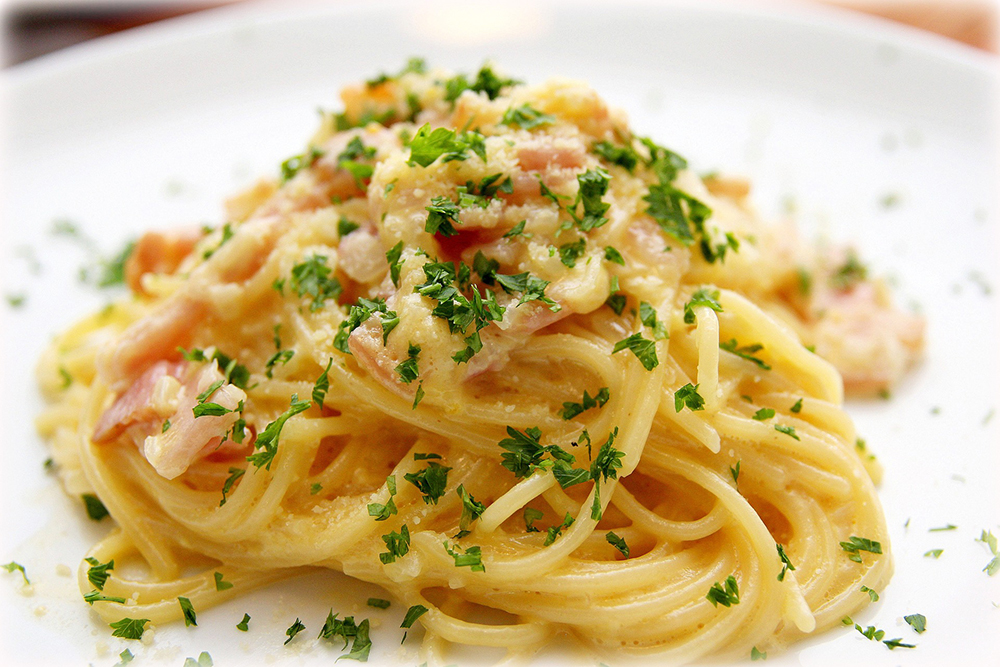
{"x": 32, "y": 28}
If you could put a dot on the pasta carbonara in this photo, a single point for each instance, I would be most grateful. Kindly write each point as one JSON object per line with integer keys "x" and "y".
{"x": 485, "y": 347}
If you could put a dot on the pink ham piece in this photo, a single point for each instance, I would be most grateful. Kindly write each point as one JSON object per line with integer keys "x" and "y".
{"x": 169, "y": 391}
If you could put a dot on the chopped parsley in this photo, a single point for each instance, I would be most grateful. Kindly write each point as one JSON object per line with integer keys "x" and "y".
{"x": 617, "y": 543}
{"x": 244, "y": 625}
{"x": 97, "y": 574}
{"x": 312, "y": 278}
{"x": 643, "y": 349}
{"x": 96, "y": 596}
{"x": 855, "y": 545}
{"x": 702, "y": 298}
{"x": 990, "y": 540}
{"x": 616, "y": 302}
{"x": 933, "y": 553}
{"x": 397, "y": 545}
{"x": 531, "y": 515}
{"x": 941, "y": 529}
{"x": 787, "y": 430}
{"x": 209, "y": 410}
{"x": 359, "y": 314}
{"x": 412, "y": 614}
{"x": 747, "y": 352}
{"x": 17, "y": 567}
{"x": 605, "y": 465}
{"x": 571, "y": 410}
{"x": 190, "y": 618}
{"x": 227, "y": 487}
{"x": 472, "y": 509}
{"x": 526, "y": 117}
{"x": 593, "y": 185}
{"x": 129, "y": 628}
{"x": 393, "y": 256}
{"x": 763, "y": 414}
{"x": 517, "y": 230}
{"x": 415, "y": 65}
{"x": 849, "y": 274}
{"x": 569, "y": 253}
{"x": 322, "y": 385}
{"x": 786, "y": 563}
{"x": 727, "y": 595}
{"x": 442, "y": 216}
{"x": 382, "y": 512}
{"x": 67, "y": 379}
{"x": 95, "y": 508}
{"x": 486, "y": 81}
{"x": 221, "y": 584}
{"x": 472, "y": 558}
{"x": 408, "y": 370}
{"x": 204, "y": 660}
{"x": 623, "y": 156}
{"x": 294, "y": 629}
{"x": 612, "y": 255}
{"x": 797, "y": 408}
{"x": 428, "y": 145}
{"x": 267, "y": 441}
{"x": 296, "y": 163}
{"x": 647, "y": 314}
{"x": 554, "y": 532}
{"x": 872, "y": 595}
{"x": 756, "y": 654}
{"x": 348, "y": 630}
{"x": 379, "y": 603}
{"x": 897, "y": 643}
{"x": 431, "y": 481}
{"x": 688, "y": 396}
{"x": 345, "y": 227}
{"x": 916, "y": 621}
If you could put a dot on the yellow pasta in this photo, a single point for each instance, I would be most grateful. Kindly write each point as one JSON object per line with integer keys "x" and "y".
{"x": 484, "y": 347}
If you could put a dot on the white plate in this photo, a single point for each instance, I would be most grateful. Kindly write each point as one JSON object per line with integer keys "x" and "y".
{"x": 826, "y": 110}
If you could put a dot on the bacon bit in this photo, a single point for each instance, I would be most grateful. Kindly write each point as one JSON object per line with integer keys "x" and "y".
{"x": 159, "y": 252}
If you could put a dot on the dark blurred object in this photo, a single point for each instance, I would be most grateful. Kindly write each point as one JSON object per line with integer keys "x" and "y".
{"x": 34, "y": 29}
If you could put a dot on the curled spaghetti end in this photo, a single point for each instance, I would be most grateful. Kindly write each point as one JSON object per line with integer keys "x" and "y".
{"x": 482, "y": 345}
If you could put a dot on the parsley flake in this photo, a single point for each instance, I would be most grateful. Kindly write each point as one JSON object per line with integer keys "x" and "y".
{"x": 688, "y": 396}
{"x": 617, "y": 542}
{"x": 643, "y": 349}
{"x": 726, "y": 596}
{"x": 129, "y": 628}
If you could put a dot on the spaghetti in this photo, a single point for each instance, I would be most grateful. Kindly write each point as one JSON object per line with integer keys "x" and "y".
{"x": 484, "y": 347}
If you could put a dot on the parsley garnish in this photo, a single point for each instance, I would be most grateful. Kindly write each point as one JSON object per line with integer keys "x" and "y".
{"x": 220, "y": 584}
{"x": 415, "y": 65}
{"x": 747, "y": 352}
{"x": 190, "y": 618}
{"x": 312, "y": 278}
{"x": 204, "y": 660}
{"x": 941, "y": 529}
{"x": 267, "y": 440}
{"x": 593, "y": 185}
{"x": 571, "y": 409}
{"x": 234, "y": 474}
{"x": 296, "y": 163}
{"x": 472, "y": 509}
{"x": 727, "y": 596}
{"x": 647, "y": 315}
{"x": 688, "y": 396}
{"x": 531, "y": 515}
{"x": 96, "y": 596}
{"x": 345, "y": 227}
{"x": 382, "y": 512}
{"x": 17, "y": 567}
{"x": 379, "y": 603}
{"x": 244, "y": 625}
{"x": 294, "y": 629}
{"x": 360, "y": 312}
{"x": 734, "y": 472}
{"x": 871, "y": 593}
{"x": 441, "y": 214}
{"x": 849, "y": 274}
{"x": 612, "y": 255}
{"x": 569, "y": 253}
{"x": 786, "y": 563}
{"x": 486, "y": 82}
{"x": 431, "y": 481}
{"x": 428, "y": 145}
{"x": 855, "y": 545}
{"x": 797, "y": 408}
{"x": 934, "y": 553}
{"x": 472, "y": 558}
{"x": 322, "y": 385}
{"x": 623, "y": 156}
{"x": 408, "y": 370}
{"x": 616, "y": 302}
{"x": 787, "y": 430}
{"x": 917, "y": 621}
{"x": 756, "y": 654}
{"x": 555, "y": 531}
{"x": 517, "y": 230}
{"x": 392, "y": 256}
{"x": 524, "y": 451}
{"x": 129, "y": 628}
{"x": 412, "y": 614}
{"x": 526, "y": 117}
{"x": 990, "y": 540}
{"x": 897, "y": 643}
{"x": 97, "y": 574}
{"x": 397, "y": 545}
{"x": 95, "y": 508}
{"x": 763, "y": 413}
{"x": 617, "y": 543}
{"x": 704, "y": 298}
{"x": 606, "y": 465}
{"x": 209, "y": 410}
{"x": 643, "y": 349}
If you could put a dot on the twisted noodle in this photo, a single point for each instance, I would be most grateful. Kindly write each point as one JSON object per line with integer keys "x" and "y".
{"x": 674, "y": 500}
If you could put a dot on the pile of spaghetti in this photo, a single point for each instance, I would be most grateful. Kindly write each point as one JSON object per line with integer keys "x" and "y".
{"x": 483, "y": 346}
